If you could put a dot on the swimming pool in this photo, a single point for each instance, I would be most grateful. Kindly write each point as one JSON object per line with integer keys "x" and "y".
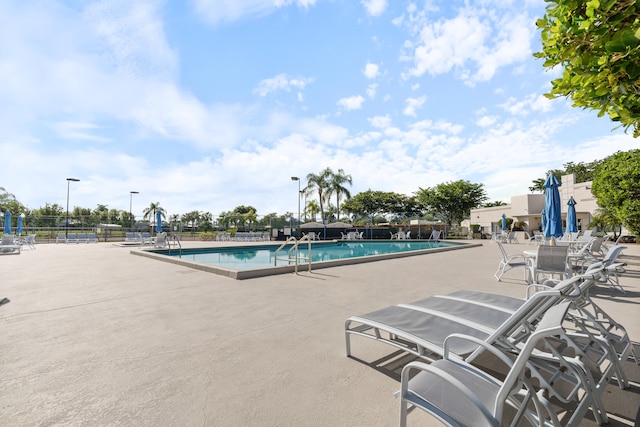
{"x": 242, "y": 262}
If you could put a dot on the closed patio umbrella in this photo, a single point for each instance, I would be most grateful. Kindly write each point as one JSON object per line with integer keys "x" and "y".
{"x": 552, "y": 207}
{"x": 7, "y": 222}
{"x": 158, "y": 222}
{"x": 504, "y": 222}
{"x": 572, "y": 224}
{"x": 19, "y": 230}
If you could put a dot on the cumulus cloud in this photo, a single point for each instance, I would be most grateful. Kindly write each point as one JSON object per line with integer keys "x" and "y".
{"x": 467, "y": 43}
{"x": 412, "y": 104}
{"x": 531, "y": 103}
{"x": 351, "y": 103}
{"x": 281, "y": 82}
{"x": 371, "y": 71}
{"x": 374, "y": 7}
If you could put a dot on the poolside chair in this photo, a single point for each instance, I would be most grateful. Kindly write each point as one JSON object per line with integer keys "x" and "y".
{"x": 61, "y": 238}
{"x": 8, "y": 245}
{"x": 72, "y": 238}
{"x": 458, "y": 393}
{"x": 508, "y": 262}
{"x": 82, "y": 238}
{"x": 590, "y": 322}
{"x": 161, "y": 241}
{"x": 550, "y": 260}
{"x": 92, "y": 238}
{"x": 420, "y": 327}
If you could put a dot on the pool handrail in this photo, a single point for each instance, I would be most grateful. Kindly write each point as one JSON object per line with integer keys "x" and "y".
{"x": 295, "y": 243}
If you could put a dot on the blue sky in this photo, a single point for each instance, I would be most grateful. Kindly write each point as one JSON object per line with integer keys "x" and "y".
{"x": 210, "y": 104}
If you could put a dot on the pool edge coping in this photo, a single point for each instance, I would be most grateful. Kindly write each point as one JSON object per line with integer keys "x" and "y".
{"x": 275, "y": 270}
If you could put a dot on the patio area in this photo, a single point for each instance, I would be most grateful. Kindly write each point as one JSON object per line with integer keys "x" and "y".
{"x": 96, "y": 336}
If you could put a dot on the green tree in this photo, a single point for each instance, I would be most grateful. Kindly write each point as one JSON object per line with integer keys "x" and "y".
{"x": 337, "y": 187}
{"x": 617, "y": 187}
{"x": 370, "y": 204}
{"x": 583, "y": 171}
{"x": 149, "y": 213}
{"x": 311, "y": 209}
{"x": 453, "y": 200}
{"x": 597, "y": 43}
{"x": 320, "y": 183}
{"x": 8, "y": 202}
{"x": 496, "y": 203}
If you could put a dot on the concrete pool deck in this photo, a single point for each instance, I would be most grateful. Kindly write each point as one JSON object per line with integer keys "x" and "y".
{"x": 97, "y": 336}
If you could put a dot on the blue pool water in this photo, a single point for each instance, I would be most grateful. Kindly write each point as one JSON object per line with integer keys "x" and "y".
{"x": 256, "y": 257}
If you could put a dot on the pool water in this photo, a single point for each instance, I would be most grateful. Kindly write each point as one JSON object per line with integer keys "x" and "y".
{"x": 255, "y": 257}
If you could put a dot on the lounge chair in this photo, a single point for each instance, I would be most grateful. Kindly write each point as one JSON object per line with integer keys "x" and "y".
{"x": 509, "y": 261}
{"x": 459, "y": 394}
{"x": 421, "y": 327}
{"x": 8, "y": 245}
{"x": 589, "y": 320}
{"x": 161, "y": 241}
{"x": 133, "y": 238}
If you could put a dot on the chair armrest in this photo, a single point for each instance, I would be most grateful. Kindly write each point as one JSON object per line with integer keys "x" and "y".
{"x": 485, "y": 345}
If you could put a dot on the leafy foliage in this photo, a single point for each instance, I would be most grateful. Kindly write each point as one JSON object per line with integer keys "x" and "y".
{"x": 373, "y": 203}
{"x": 617, "y": 187}
{"x": 454, "y": 199}
{"x": 597, "y": 42}
{"x": 583, "y": 171}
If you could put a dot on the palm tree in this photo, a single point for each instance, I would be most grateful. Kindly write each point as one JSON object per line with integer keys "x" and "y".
{"x": 311, "y": 209}
{"x": 337, "y": 181}
{"x": 150, "y": 211}
{"x": 320, "y": 183}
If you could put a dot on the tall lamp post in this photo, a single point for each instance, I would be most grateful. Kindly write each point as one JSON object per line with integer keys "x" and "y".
{"x": 66, "y": 228}
{"x": 295, "y": 178}
{"x": 131, "y": 193}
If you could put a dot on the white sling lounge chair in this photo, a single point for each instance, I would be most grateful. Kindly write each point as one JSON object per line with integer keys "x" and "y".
{"x": 8, "y": 245}
{"x": 509, "y": 261}
{"x": 460, "y": 394}
{"x": 421, "y": 327}
{"x": 590, "y": 322}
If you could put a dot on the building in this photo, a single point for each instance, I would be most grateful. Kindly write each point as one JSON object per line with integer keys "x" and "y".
{"x": 527, "y": 209}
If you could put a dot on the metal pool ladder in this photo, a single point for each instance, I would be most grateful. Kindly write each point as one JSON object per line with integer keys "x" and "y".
{"x": 293, "y": 255}
{"x": 176, "y": 241}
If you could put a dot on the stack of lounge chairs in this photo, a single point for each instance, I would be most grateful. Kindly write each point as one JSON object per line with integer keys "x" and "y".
{"x": 560, "y": 350}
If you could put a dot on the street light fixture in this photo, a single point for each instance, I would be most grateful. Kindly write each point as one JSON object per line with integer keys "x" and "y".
{"x": 66, "y": 229}
{"x": 295, "y": 178}
{"x": 131, "y": 193}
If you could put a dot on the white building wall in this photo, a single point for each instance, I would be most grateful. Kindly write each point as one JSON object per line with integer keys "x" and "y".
{"x": 527, "y": 208}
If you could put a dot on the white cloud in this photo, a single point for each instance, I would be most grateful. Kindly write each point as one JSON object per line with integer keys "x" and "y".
{"x": 371, "y": 71}
{"x": 486, "y": 121}
{"x": 531, "y": 103}
{"x": 351, "y": 103}
{"x": 466, "y": 44}
{"x": 412, "y": 104}
{"x": 380, "y": 122}
{"x": 221, "y": 11}
{"x": 281, "y": 82}
{"x": 371, "y": 90}
{"x": 374, "y": 7}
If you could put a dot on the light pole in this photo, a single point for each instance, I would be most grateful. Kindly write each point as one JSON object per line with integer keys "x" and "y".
{"x": 131, "y": 193}
{"x": 66, "y": 228}
{"x": 295, "y": 178}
